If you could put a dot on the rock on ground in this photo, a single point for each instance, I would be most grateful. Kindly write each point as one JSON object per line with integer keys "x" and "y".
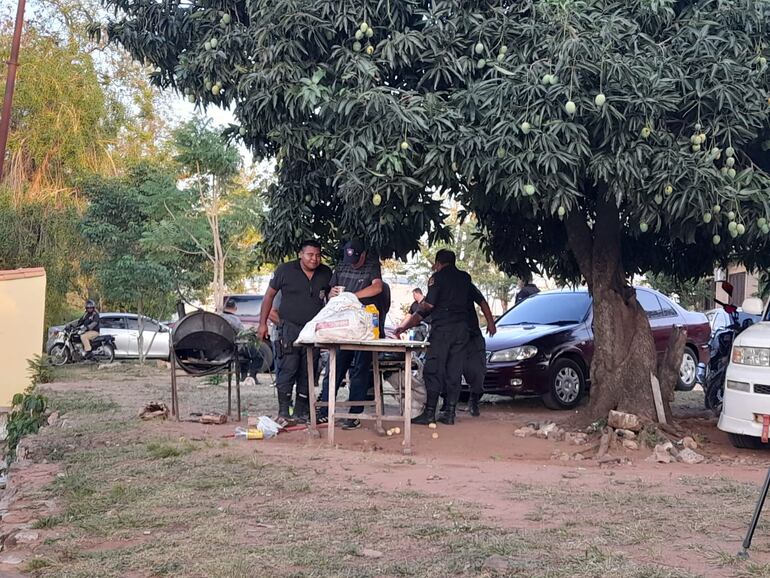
{"x": 524, "y": 432}
{"x": 660, "y": 454}
{"x": 621, "y": 420}
{"x": 689, "y": 443}
{"x": 689, "y": 456}
{"x": 496, "y": 563}
{"x": 630, "y": 444}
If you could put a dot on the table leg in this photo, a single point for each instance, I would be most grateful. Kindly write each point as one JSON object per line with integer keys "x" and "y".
{"x": 229, "y": 391}
{"x": 408, "y": 402}
{"x": 378, "y": 409}
{"x": 238, "y": 393}
{"x": 174, "y": 408}
{"x": 313, "y": 430}
{"x": 332, "y": 391}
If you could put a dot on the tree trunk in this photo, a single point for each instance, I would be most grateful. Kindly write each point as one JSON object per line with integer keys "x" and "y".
{"x": 219, "y": 256}
{"x": 624, "y": 357}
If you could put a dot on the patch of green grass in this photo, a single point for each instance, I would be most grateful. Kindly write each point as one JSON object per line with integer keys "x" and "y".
{"x": 80, "y": 402}
{"x": 47, "y": 522}
{"x": 37, "y": 564}
{"x": 161, "y": 450}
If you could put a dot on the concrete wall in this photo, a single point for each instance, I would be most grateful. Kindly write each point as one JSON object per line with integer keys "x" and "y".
{"x": 749, "y": 288}
{"x": 22, "y": 307}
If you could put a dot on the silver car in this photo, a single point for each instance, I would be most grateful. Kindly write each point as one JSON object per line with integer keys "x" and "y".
{"x": 125, "y": 328}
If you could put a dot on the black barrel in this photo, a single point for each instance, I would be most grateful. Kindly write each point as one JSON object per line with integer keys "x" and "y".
{"x": 204, "y": 343}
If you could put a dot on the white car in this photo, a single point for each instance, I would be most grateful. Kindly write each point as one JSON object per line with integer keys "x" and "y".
{"x": 746, "y": 410}
{"x": 125, "y": 328}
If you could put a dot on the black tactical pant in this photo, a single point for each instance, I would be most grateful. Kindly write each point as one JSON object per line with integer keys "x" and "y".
{"x": 444, "y": 362}
{"x": 475, "y": 366}
{"x": 293, "y": 367}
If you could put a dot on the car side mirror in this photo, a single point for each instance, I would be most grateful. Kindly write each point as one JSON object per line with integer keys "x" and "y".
{"x": 753, "y": 306}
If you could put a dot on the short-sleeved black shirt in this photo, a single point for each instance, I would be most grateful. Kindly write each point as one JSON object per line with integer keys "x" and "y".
{"x": 301, "y": 298}
{"x": 449, "y": 291}
{"x": 356, "y": 279}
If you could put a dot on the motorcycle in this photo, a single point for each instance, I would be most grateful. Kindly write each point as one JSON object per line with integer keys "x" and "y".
{"x": 68, "y": 348}
{"x": 711, "y": 376}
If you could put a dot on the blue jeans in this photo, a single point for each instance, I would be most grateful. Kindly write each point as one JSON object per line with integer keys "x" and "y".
{"x": 360, "y": 365}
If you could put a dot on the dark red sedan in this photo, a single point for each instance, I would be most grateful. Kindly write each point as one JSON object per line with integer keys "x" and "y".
{"x": 544, "y": 345}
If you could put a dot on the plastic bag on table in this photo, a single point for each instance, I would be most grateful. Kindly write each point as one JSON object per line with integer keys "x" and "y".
{"x": 343, "y": 319}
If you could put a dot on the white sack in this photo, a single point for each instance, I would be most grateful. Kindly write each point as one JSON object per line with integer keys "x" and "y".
{"x": 343, "y": 319}
{"x": 419, "y": 392}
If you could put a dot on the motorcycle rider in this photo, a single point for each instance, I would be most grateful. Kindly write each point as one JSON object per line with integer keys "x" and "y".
{"x": 89, "y": 323}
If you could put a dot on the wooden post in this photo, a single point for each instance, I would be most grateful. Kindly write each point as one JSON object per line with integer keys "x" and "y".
{"x": 229, "y": 390}
{"x": 332, "y": 391}
{"x": 174, "y": 406}
{"x": 377, "y": 393}
{"x": 311, "y": 390}
{"x": 13, "y": 64}
{"x": 656, "y": 395}
{"x": 407, "y": 401}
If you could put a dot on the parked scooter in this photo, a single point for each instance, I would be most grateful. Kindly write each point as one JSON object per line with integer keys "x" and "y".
{"x": 68, "y": 347}
{"x": 711, "y": 376}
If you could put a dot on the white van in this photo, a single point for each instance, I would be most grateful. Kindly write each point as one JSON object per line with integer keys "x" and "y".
{"x": 746, "y": 410}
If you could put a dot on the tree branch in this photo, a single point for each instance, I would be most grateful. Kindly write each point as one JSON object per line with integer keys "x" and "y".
{"x": 189, "y": 233}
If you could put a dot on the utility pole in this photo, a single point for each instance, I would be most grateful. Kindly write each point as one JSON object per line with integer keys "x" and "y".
{"x": 13, "y": 64}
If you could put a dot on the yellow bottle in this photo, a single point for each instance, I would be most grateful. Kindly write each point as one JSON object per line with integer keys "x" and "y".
{"x": 375, "y": 319}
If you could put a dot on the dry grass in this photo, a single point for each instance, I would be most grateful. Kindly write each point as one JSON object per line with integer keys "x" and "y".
{"x": 137, "y": 503}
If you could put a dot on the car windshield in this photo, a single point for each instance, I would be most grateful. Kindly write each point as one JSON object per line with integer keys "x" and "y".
{"x": 548, "y": 309}
{"x": 247, "y": 304}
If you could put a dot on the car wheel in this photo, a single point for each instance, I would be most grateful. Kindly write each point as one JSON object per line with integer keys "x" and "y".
{"x": 566, "y": 385}
{"x": 744, "y": 442}
{"x": 688, "y": 370}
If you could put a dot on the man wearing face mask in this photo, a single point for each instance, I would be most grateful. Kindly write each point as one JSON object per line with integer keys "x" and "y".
{"x": 449, "y": 293}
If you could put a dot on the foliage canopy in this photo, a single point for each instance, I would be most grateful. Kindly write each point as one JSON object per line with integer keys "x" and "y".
{"x": 531, "y": 113}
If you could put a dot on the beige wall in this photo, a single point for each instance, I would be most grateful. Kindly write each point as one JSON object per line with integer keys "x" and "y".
{"x": 750, "y": 287}
{"x": 22, "y": 306}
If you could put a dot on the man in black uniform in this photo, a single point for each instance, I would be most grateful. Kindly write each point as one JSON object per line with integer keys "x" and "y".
{"x": 449, "y": 291}
{"x": 475, "y": 366}
{"x": 303, "y": 284}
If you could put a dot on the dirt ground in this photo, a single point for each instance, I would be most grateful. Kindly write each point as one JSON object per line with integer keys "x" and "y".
{"x": 106, "y": 494}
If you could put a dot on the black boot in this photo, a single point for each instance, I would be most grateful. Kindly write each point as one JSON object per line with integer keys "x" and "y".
{"x": 473, "y": 405}
{"x": 427, "y": 416}
{"x": 448, "y": 417}
{"x": 284, "y": 403}
{"x": 302, "y": 409}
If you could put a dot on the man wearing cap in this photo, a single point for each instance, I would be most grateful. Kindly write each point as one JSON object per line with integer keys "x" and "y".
{"x": 358, "y": 273}
{"x": 303, "y": 285}
{"x": 447, "y": 301}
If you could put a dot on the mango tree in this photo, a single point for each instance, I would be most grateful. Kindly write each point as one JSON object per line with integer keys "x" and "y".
{"x": 592, "y": 139}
